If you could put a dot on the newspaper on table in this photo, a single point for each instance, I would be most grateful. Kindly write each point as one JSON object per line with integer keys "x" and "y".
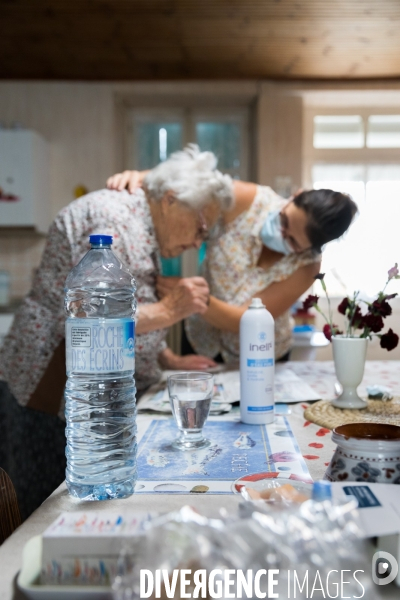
{"x": 289, "y": 388}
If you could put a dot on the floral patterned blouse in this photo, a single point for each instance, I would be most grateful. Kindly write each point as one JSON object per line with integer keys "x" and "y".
{"x": 39, "y": 323}
{"x": 231, "y": 270}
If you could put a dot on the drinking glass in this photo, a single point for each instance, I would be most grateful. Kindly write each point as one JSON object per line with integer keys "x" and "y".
{"x": 190, "y": 395}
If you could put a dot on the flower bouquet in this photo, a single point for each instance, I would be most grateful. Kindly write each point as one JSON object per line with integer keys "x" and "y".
{"x": 368, "y": 323}
{"x": 350, "y": 347}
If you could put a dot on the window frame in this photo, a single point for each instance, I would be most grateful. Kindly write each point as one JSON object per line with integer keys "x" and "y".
{"x": 188, "y": 115}
{"x": 313, "y": 156}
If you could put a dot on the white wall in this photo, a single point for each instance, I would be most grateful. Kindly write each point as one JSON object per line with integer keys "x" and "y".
{"x": 77, "y": 119}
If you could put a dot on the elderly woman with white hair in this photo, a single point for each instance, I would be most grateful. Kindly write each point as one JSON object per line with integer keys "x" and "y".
{"x": 180, "y": 201}
{"x": 264, "y": 246}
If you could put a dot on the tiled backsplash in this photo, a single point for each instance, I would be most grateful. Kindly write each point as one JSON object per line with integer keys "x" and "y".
{"x": 20, "y": 254}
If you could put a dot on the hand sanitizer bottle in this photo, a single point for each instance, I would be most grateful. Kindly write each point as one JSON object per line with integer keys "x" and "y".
{"x": 257, "y": 359}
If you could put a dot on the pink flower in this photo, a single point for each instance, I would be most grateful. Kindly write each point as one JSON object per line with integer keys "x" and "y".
{"x": 393, "y": 272}
{"x": 389, "y": 340}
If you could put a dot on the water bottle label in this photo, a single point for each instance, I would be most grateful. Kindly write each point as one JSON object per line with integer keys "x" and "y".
{"x": 100, "y": 345}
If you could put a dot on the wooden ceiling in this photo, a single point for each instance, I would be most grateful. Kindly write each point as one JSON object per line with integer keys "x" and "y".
{"x": 184, "y": 39}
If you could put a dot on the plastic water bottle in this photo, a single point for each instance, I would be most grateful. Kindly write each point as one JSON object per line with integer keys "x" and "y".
{"x": 321, "y": 491}
{"x": 100, "y": 403}
{"x": 257, "y": 359}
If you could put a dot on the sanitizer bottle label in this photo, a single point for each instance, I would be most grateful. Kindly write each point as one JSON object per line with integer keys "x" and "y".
{"x": 96, "y": 346}
{"x": 259, "y": 381}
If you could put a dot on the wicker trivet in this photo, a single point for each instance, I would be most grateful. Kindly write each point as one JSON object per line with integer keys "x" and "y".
{"x": 324, "y": 414}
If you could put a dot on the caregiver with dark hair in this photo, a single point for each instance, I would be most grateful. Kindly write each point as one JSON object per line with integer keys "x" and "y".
{"x": 263, "y": 246}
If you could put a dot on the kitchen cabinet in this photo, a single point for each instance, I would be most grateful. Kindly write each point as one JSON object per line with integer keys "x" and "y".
{"x": 24, "y": 180}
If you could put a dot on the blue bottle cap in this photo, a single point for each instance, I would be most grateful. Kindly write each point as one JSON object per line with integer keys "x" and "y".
{"x": 322, "y": 490}
{"x": 101, "y": 240}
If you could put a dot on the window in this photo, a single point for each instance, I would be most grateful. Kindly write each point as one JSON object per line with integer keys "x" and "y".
{"x": 383, "y": 131}
{"x": 344, "y": 131}
{"x": 224, "y": 139}
{"x": 156, "y": 141}
{"x": 370, "y": 173}
{"x": 361, "y": 259}
{"x": 348, "y": 131}
{"x": 154, "y": 134}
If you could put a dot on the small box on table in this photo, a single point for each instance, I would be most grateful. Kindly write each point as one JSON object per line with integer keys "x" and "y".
{"x": 82, "y": 548}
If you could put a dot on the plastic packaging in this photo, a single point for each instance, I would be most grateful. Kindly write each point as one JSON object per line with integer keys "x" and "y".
{"x": 315, "y": 543}
{"x": 257, "y": 365}
{"x": 100, "y": 391}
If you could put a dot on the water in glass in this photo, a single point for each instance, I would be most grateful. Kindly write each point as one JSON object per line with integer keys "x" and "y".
{"x": 190, "y": 396}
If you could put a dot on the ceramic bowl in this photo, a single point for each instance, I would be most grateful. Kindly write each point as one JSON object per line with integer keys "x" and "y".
{"x": 367, "y": 452}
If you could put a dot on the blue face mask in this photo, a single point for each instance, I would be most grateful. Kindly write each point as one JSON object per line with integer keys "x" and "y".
{"x": 271, "y": 234}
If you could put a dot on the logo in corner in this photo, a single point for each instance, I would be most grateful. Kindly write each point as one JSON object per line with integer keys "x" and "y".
{"x": 384, "y": 568}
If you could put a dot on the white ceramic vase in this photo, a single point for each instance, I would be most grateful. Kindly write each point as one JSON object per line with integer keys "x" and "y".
{"x": 349, "y": 356}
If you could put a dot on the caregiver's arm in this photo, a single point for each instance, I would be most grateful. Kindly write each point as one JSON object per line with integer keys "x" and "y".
{"x": 243, "y": 191}
{"x": 278, "y": 298}
{"x": 127, "y": 179}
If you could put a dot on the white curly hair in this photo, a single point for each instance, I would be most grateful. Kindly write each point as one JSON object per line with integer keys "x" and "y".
{"x": 191, "y": 175}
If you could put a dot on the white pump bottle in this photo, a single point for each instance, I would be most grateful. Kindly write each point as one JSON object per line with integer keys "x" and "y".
{"x": 257, "y": 365}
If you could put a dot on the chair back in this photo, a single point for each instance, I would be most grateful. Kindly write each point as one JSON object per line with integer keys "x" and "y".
{"x": 10, "y": 517}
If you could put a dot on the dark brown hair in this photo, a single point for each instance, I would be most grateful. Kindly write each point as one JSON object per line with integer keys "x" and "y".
{"x": 329, "y": 215}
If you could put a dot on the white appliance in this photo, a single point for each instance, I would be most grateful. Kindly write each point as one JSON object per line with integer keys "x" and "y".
{"x": 24, "y": 168}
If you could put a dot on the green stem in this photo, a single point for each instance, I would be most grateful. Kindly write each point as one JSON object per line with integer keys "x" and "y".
{"x": 321, "y": 313}
{"x": 330, "y": 321}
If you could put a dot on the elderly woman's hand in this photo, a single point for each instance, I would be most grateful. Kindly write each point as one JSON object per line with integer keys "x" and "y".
{"x": 128, "y": 179}
{"x": 189, "y": 362}
{"x": 190, "y": 295}
{"x": 165, "y": 285}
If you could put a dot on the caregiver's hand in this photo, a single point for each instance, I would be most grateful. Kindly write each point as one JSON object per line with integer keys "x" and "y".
{"x": 128, "y": 179}
{"x": 190, "y": 295}
{"x": 165, "y": 285}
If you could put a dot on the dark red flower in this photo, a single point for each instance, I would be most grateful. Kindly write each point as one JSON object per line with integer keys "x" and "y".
{"x": 310, "y": 301}
{"x": 389, "y": 340}
{"x": 373, "y": 322}
{"x": 319, "y": 276}
{"x": 329, "y": 331}
{"x": 382, "y": 308}
{"x": 343, "y": 306}
{"x": 357, "y": 320}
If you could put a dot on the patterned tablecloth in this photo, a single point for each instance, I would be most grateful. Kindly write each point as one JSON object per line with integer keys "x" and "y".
{"x": 314, "y": 441}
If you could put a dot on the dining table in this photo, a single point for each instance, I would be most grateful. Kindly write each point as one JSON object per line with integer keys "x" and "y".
{"x": 313, "y": 441}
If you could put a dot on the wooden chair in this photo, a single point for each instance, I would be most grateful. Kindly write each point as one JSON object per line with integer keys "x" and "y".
{"x": 10, "y": 517}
